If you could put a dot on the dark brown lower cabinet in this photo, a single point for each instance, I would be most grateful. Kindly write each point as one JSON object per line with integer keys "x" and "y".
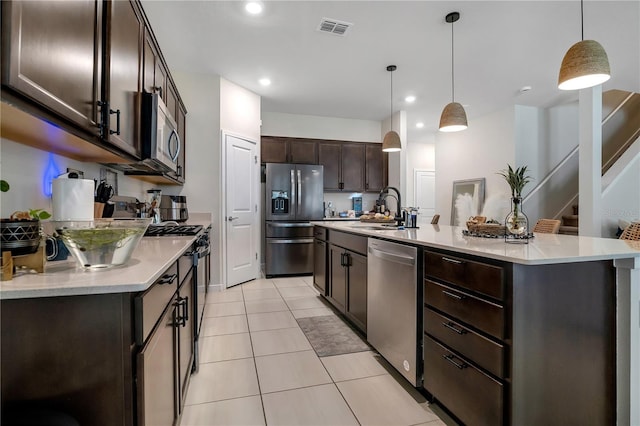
{"x": 356, "y": 308}
{"x": 473, "y": 396}
{"x": 320, "y": 266}
{"x": 337, "y": 293}
{"x": 347, "y": 276}
{"x": 106, "y": 359}
{"x": 520, "y": 344}
{"x": 156, "y": 373}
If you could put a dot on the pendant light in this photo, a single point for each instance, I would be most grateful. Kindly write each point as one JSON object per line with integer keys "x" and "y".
{"x": 585, "y": 64}
{"x": 453, "y": 117}
{"x": 391, "y": 141}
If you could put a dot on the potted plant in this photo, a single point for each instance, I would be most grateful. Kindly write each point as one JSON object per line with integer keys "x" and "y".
{"x": 21, "y": 231}
{"x": 516, "y": 221}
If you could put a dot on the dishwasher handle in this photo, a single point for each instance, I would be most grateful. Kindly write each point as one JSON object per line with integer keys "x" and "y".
{"x": 393, "y": 257}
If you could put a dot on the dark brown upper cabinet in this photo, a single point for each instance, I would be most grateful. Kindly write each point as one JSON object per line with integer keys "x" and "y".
{"x": 343, "y": 166}
{"x": 376, "y": 162}
{"x": 52, "y": 54}
{"x": 124, "y": 53}
{"x": 288, "y": 150}
{"x": 329, "y": 155}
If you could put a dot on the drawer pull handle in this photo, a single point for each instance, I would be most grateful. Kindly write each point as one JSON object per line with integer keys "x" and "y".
{"x": 167, "y": 279}
{"x": 451, "y": 358}
{"x": 452, "y": 327}
{"x": 454, "y": 261}
{"x": 451, "y": 295}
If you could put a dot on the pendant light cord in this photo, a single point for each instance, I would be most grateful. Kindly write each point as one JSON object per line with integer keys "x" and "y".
{"x": 391, "y": 101}
{"x": 452, "y": 72}
{"x": 582, "y": 19}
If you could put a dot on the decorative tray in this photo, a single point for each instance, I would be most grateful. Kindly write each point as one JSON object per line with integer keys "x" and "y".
{"x": 377, "y": 220}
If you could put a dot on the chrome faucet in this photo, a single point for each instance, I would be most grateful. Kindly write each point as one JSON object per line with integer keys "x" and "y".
{"x": 384, "y": 193}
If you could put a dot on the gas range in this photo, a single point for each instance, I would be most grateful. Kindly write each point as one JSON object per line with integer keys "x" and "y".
{"x": 172, "y": 230}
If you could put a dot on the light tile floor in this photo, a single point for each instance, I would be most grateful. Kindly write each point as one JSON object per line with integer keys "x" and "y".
{"x": 257, "y": 367}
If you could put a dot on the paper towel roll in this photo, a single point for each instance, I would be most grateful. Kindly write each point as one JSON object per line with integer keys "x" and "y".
{"x": 72, "y": 199}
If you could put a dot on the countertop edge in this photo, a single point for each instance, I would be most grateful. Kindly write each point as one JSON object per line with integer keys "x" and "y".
{"x": 144, "y": 265}
{"x": 595, "y": 249}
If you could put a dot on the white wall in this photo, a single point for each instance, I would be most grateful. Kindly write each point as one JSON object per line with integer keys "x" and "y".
{"x": 201, "y": 96}
{"x": 29, "y": 171}
{"x": 482, "y": 150}
{"x": 316, "y": 127}
{"x": 239, "y": 111}
{"x": 212, "y": 103}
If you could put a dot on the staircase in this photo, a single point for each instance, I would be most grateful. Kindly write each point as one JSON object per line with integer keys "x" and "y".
{"x": 556, "y": 195}
{"x": 569, "y": 224}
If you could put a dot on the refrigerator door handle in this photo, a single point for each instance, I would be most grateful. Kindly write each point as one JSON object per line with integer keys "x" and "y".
{"x": 293, "y": 186}
{"x": 299, "y": 189}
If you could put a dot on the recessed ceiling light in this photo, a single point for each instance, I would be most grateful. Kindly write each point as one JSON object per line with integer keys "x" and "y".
{"x": 264, "y": 81}
{"x": 253, "y": 7}
{"x": 410, "y": 98}
{"x": 420, "y": 125}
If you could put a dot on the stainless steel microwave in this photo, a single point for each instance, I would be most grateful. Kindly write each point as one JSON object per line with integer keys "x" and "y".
{"x": 161, "y": 142}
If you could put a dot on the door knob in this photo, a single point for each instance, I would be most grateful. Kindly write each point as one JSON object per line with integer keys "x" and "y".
{"x": 231, "y": 218}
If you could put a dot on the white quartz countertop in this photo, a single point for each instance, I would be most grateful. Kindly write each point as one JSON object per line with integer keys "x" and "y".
{"x": 64, "y": 278}
{"x": 542, "y": 249}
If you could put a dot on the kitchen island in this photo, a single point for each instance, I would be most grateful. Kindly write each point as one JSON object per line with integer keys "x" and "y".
{"x": 105, "y": 347}
{"x": 551, "y": 328}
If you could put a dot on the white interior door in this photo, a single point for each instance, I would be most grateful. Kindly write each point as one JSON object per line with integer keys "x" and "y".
{"x": 241, "y": 210}
{"x": 425, "y": 194}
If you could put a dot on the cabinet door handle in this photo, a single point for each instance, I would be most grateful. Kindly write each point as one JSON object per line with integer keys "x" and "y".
{"x": 347, "y": 258}
{"x": 342, "y": 259}
{"x": 451, "y": 359}
{"x": 117, "y": 113}
{"x": 452, "y": 295}
{"x": 452, "y": 327}
{"x": 167, "y": 279}
{"x": 185, "y": 311}
{"x": 454, "y": 261}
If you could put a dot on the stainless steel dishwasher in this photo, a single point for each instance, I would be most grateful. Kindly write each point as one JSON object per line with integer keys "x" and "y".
{"x": 392, "y": 305}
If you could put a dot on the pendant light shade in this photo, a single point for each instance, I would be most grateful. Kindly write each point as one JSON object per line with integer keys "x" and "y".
{"x": 391, "y": 141}
{"x": 585, "y": 64}
{"x": 453, "y": 117}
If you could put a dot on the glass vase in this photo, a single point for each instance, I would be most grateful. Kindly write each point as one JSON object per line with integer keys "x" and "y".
{"x": 516, "y": 223}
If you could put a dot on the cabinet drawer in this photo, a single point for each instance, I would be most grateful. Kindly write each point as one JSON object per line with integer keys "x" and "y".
{"x": 349, "y": 241}
{"x": 479, "y": 313}
{"x": 150, "y": 304}
{"x": 479, "y": 349}
{"x": 475, "y": 276}
{"x": 320, "y": 233}
{"x": 471, "y": 395}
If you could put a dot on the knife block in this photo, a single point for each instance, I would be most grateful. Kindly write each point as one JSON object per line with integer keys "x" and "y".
{"x": 98, "y": 209}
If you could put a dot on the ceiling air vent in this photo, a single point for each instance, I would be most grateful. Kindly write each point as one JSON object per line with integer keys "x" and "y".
{"x": 333, "y": 26}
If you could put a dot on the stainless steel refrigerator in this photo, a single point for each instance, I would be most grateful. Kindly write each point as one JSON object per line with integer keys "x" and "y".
{"x": 293, "y": 197}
